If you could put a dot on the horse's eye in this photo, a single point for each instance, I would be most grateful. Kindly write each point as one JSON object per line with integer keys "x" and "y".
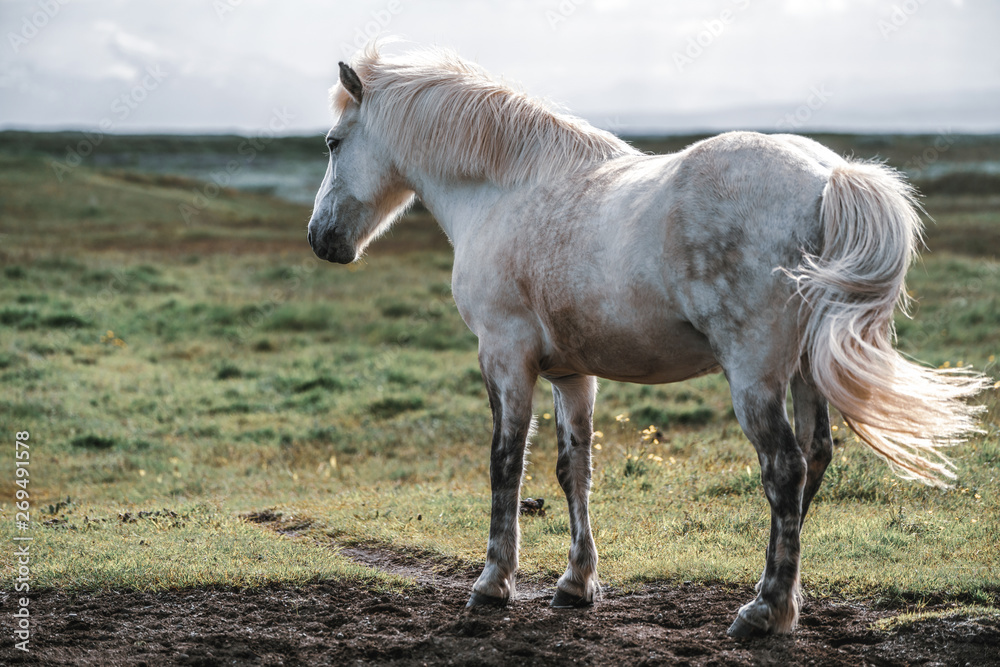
{"x": 332, "y": 143}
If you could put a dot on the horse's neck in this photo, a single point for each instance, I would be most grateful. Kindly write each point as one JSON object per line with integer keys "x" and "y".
{"x": 459, "y": 206}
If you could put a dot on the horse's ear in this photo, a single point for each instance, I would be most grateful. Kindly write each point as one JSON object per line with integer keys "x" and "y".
{"x": 351, "y": 81}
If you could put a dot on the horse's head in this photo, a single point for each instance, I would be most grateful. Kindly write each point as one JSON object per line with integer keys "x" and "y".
{"x": 362, "y": 191}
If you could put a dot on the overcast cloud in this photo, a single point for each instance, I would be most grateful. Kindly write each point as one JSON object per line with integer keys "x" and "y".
{"x": 632, "y": 66}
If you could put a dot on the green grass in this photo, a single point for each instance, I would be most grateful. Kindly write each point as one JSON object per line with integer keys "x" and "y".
{"x": 220, "y": 369}
{"x": 83, "y": 548}
{"x": 970, "y": 612}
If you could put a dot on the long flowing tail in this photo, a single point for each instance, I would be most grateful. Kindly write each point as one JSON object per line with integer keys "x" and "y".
{"x": 903, "y": 411}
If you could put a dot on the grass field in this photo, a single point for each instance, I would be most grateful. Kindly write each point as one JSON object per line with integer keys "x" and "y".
{"x": 178, "y": 374}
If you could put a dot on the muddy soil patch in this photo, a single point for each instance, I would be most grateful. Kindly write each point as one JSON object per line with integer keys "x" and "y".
{"x": 338, "y": 623}
{"x": 333, "y": 623}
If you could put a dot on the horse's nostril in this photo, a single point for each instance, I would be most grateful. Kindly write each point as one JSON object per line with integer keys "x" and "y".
{"x": 309, "y": 236}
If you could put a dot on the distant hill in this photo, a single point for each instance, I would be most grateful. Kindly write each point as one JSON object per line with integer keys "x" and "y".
{"x": 291, "y": 167}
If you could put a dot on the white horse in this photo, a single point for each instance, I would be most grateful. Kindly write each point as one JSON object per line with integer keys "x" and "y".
{"x": 769, "y": 258}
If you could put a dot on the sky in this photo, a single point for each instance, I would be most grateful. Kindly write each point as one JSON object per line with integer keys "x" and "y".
{"x": 632, "y": 66}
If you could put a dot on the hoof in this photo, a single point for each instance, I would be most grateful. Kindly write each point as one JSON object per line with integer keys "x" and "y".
{"x": 482, "y": 600}
{"x": 564, "y": 600}
{"x": 742, "y": 629}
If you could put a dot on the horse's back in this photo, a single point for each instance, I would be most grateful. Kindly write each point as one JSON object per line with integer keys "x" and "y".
{"x": 751, "y": 182}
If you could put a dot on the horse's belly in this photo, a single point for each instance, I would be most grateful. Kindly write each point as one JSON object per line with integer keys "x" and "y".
{"x": 670, "y": 352}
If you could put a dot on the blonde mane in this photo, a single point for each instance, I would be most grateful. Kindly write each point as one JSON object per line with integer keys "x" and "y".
{"x": 450, "y": 118}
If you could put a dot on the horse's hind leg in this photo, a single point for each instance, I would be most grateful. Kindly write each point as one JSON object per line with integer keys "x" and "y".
{"x": 760, "y": 407}
{"x": 574, "y": 407}
{"x": 509, "y": 383}
{"x": 812, "y": 430}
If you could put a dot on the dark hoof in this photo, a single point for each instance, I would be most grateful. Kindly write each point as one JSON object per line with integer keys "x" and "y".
{"x": 742, "y": 629}
{"x": 564, "y": 600}
{"x": 481, "y": 600}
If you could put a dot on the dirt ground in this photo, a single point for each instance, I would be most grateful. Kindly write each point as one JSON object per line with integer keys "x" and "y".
{"x": 331, "y": 623}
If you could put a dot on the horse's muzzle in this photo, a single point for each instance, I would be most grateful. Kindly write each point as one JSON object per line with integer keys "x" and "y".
{"x": 330, "y": 248}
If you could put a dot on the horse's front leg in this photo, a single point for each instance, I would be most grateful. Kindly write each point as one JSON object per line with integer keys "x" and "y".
{"x": 574, "y": 407}
{"x": 509, "y": 383}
